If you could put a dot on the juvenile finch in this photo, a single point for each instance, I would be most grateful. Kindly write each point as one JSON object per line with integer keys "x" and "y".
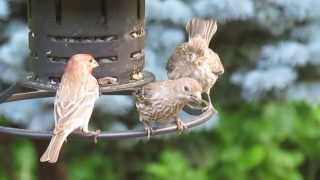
{"x": 74, "y": 103}
{"x": 194, "y": 58}
{"x": 161, "y": 101}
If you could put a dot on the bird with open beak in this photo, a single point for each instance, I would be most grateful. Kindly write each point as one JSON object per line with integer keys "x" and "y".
{"x": 195, "y": 59}
{"x": 74, "y": 103}
{"x": 162, "y": 100}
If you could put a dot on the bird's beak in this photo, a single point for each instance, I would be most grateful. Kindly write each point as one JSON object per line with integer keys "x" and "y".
{"x": 197, "y": 102}
{"x": 95, "y": 64}
{"x": 196, "y": 98}
{"x": 219, "y": 73}
{"x": 94, "y": 67}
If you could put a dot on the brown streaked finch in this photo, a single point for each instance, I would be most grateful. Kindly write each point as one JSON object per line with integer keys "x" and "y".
{"x": 162, "y": 100}
{"x": 74, "y": 103}
{"x": 194, "y": 58}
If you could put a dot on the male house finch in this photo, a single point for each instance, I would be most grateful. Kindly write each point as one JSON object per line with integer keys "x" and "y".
{"x": 194, "y": 58}
{"x": 74, "y": 103}
{"x": 161, "y": 101}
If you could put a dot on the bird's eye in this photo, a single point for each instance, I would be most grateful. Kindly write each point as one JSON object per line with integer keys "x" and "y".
{"x": 91, "y": 60}
{"x": 186, "y": 88}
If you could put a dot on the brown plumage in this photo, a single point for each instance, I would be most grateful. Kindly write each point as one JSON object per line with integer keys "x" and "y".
{"x": 74, "y": 103}
{"x": 161, "y": 101}
{"x": 194, "y": 58}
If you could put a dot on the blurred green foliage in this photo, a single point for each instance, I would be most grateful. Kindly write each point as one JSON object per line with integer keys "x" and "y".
{"x": 274, "y": 141}
{"x": 278, "y": 140}
{"x": 18, "y": 160}
{"x": 173, "y": 165}
{"x": 95, "y": 167}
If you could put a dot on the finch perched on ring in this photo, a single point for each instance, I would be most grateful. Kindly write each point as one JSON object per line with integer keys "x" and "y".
{"x": 195, "y": 59}
{"x": 74, "y": 103}
{"x": 161, "y": 101}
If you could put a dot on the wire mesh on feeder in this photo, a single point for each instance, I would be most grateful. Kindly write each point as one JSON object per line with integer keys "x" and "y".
{"x": 111, "y": 30}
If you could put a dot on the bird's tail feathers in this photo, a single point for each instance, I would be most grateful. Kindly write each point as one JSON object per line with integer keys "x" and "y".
{"x": 52, "y": 153}
{"x": 203, "y": 28}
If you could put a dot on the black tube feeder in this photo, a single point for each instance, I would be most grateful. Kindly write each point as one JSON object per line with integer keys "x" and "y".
{"x": 111, "y": 30}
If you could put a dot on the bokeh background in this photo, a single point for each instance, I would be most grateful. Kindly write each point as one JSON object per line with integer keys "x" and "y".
{"x": 268, "y": 125}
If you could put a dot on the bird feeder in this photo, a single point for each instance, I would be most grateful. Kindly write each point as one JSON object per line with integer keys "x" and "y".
{"x": 113, "y": 31}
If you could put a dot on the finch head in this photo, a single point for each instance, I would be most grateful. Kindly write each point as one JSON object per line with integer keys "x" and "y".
{"x": 190, "y": 89}
{"x": 81, "y": 63}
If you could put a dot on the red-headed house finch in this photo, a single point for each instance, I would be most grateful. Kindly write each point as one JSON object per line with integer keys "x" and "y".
{"x": 74, "y": 103}
{"x": 161, "y": 101}
{"x": 194, "y": 58}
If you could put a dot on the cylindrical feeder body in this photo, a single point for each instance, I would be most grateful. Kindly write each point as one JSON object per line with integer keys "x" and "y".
{"x": 111, "y": 30}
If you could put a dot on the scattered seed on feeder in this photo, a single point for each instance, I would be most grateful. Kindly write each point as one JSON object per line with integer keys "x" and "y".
{"x": 111, "y": 38}
{"x": 48, "y": 52}
{"x": 52, "y": 82}
{"x": 137, "y": 76}
{"x": 100, "y": 40}
{"x": 106, "y": 60}
{"x": 137, "y": 55}
{"x": 105, "y": 81}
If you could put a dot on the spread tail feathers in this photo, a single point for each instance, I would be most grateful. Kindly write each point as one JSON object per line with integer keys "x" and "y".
{"x": 203, "y": 28}
{"x": 52, "y": 153}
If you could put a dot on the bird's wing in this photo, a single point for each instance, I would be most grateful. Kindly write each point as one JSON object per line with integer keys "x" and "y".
{"x": 184, "y": 69}
{"x": 152, "y": 91}
{"x": 184, "y": 60}
{"x": 214, "y": 62}
{"x": 178, "y": 54}
{"x": 144, "y": 94}
{"x": 72, "y": 102}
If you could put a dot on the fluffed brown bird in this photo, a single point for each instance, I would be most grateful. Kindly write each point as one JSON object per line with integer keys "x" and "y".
{"x": 74, "y": 103}
{"x": 194, "y": 58}
{"x": 161, "y": 101}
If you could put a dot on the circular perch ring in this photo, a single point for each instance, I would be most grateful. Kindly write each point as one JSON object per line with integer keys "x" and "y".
{"x": 109, "y": 135}
{"x": 125, "y": 89}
